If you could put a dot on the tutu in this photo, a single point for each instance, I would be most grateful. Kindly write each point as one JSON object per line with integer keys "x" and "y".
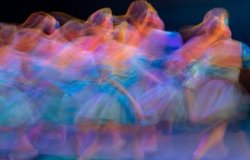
{"x": 16, "y": 109}
{"x": 218, "y": 95}
{"x": 218, "y": 99}
{"x": 108, "y": 108}
{"x": 163, "y": 102}
{"x": 107, "y": 103}
{"x": 60, "y": 109}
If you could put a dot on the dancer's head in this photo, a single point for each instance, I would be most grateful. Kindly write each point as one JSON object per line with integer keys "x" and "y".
{"x": 101, "y": 18}
{"x": 102, "y": 22}
{"x": 215, "y": 22}
{"x": 143, "y": 16}
{"x": 41, "y": 20}
{"x": 73, "y": 29}
{"x": 62, "y": 18}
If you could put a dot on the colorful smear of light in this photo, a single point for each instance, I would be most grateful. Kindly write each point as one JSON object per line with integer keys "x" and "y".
{"x": 74, "y": 88}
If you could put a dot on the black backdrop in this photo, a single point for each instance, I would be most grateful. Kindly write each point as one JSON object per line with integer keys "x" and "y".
{"x": 175, "y": 13}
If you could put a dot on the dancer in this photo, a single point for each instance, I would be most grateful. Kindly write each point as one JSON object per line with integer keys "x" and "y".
{"x": 213, "y": 92}
{"x": 111, "y": 105}
{"x": 18, "y": 112}
{"x": 155, "y": 45}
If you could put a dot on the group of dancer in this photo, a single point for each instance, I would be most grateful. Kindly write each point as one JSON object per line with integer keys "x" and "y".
{"x": 63, "y": 77}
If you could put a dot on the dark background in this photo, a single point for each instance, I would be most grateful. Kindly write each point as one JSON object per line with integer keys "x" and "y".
{"x": 175, "y": 13}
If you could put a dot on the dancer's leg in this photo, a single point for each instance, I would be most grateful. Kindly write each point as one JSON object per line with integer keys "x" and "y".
{"x": 212, "y": 138}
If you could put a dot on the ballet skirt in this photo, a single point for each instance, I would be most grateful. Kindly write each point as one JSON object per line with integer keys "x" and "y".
{"x": 16, "y": 109}
{"x": 108, "y": 104}
{"x": 164, "y": 102}
{"x": 217, "y": 93}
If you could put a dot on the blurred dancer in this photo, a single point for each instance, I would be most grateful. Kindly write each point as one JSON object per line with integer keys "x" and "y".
{"x": 213, "y": 92}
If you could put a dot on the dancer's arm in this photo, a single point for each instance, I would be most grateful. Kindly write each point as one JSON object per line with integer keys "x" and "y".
{"x": 136, "y": 105}
{"x": 149, "y": 75}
